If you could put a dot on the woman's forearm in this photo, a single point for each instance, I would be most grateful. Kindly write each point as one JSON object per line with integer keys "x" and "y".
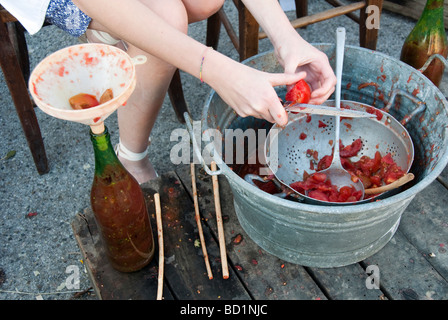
{"x": 143, "y": 28}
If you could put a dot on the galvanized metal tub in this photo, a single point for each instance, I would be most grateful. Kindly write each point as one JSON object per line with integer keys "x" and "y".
{"x": 331, "y": 236}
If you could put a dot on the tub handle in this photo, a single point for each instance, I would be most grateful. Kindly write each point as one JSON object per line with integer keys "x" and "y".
{"x": 421, "y": 106}
{"x": 196, "y": 148}
{"x": 428, "y": 62}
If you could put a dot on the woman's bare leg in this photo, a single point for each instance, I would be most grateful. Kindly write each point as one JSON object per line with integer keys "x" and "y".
{"x": 137, "y": 118}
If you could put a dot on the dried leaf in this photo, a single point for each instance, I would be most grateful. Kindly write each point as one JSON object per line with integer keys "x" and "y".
{"x": 9, "y": 155}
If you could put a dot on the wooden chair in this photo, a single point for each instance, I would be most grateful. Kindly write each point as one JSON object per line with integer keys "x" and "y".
{"x": 14, "y": 62}
{"x": 249, "y": 34}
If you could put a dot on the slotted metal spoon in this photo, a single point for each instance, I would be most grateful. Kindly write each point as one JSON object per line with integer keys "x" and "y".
{"x": 336, "y": 172}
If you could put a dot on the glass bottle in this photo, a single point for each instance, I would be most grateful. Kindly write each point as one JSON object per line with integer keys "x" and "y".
{"x": 120, "y": 210}
{"x": 427, "y": 38}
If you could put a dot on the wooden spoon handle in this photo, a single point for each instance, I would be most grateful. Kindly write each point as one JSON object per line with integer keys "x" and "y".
{"x": 404, "y": 179}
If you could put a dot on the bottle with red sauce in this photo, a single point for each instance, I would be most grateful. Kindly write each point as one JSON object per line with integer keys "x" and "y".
{"x": 120, "y": 210}
{"x": 427, "y": 38}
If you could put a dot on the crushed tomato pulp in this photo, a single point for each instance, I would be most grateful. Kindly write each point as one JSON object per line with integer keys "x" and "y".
{"x": 373, "y": 172}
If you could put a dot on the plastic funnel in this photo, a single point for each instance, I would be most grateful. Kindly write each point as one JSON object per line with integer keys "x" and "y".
{"x": 87, "y": 68}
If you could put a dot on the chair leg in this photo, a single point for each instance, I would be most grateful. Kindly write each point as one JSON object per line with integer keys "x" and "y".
{"x": 177, "y": 98}
{"x": 17, "y": 37}
{"x": 213, "y": 30}
{"x": 301, "y": 8}
{"x": 22, "y": 101}
{"x": 248, "y": 32}
{"x": 368, "y": 35}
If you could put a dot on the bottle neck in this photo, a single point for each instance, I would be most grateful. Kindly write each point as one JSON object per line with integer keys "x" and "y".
{"x": 104, "y": 152}
{"x": 433, "y": 11}
{"x": 434, "y": 4}
{"x": 430, "y": 22}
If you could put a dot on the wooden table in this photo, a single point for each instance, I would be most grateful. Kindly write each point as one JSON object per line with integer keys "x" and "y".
{"x": 413, "y": 265}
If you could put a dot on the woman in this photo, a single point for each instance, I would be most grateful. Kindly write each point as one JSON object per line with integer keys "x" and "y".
{"x": 158, "y": 29}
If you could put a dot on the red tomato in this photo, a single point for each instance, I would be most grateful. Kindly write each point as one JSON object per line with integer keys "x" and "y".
{"x": 319, "y": 177}
{"x": 300, "y": 93}
{"x": 325, "y": 162}
{"x": 350, "y": 150}
{"x": 318, "y": 195}
{"x": 83, "y": 101}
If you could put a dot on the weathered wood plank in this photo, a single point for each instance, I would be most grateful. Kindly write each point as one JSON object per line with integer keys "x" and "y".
{"x": 266, "y": 276}
{"x": 346, "y": 283}
{"x": 425, "y": 225}
{"x": 185, "y": 270}
{"x": 108, "y": 283}
{"x": 405, "y": 274}
{"x": 407, "y": 270}
{"x": 185, "y": 275}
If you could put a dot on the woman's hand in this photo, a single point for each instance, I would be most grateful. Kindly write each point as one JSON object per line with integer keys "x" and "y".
{"x": 297, "y": 55}
{"x": 248, "y": 91}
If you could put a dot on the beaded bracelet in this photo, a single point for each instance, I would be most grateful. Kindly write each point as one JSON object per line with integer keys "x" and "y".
{"x": 202, "y": 64}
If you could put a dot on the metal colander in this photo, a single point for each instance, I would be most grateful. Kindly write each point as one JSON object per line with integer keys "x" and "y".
{"x": 297, "y": 147}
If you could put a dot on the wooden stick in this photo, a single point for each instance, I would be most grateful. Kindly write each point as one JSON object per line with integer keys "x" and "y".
{"x": 397, "y": 183}
{"x": 222, "y": 240}
{"x": 198, "y": 222}
{"x": 160, "y": 240}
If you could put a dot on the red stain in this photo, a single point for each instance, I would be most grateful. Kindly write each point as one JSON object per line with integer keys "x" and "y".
{"x": 367, "y": 84}
{"x": 34, "y": 89}
{"x": 61, "y": 71}
{"x": 308, "y": 118}
{"x": 88, "y": 60}
{"x": 237, "y": 239}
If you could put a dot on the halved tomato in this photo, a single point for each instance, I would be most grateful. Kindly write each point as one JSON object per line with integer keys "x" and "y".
{"x": 300, "y": 93}
{"x": 83, "y": 101}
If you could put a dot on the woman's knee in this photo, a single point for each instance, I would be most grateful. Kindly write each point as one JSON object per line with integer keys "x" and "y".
{"x": 172, "y": 11}
{"x": 199, "y": 10}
